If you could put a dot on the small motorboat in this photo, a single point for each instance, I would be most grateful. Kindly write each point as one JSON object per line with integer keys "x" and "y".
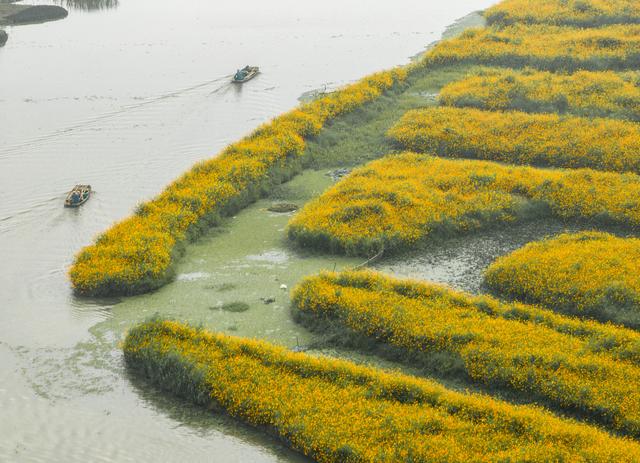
{"x": 78, "y": 196}
{"x": 245, "y": 74}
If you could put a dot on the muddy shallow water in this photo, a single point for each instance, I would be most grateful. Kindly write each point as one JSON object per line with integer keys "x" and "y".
{"x": 125, "y": 96}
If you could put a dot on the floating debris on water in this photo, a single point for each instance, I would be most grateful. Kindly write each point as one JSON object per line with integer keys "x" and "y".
{"x": 283, "y": 207}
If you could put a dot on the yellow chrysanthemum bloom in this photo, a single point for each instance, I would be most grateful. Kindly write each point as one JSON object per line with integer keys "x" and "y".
{"x": 588, "y": 274}
{"x": 336, "y": 411}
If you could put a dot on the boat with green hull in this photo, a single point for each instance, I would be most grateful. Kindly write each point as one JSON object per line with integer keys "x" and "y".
{"x": 245, "y": 74}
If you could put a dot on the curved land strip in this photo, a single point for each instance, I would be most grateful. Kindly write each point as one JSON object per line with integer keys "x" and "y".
{"x": 545, "y": 140}
{"x": 478, "y": 337}
{"x": 544, "y": 47}
{"x": 136, "y": 254}
{"x": 586, "y": 274}
{"x": 584, "y": 93}
{"x": 12, "y": 14}
{"x": 3, "y": 37}
{"x": 335, "y": 411}
{"x": 581, "y": 13}
{"x": 399, "y": 201}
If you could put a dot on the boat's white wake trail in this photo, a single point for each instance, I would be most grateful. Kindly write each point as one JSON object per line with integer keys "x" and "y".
{"x": 6, "y": 152}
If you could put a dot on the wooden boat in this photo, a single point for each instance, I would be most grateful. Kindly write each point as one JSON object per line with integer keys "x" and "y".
{"x": 78, "y": 196}
{"x": 245, "y": 74}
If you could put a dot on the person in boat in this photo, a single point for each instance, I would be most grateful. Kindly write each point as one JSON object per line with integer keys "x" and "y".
{"x": 75, "y": 197}
{"x": 241, "y": 74}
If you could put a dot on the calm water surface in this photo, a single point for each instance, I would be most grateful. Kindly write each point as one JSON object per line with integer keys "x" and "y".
{"x": 125, "y": 96}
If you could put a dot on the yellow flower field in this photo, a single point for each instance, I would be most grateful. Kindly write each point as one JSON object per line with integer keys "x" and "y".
{"x": 520, "y": 138}
{"x": 585, "y": 13}
{"x": 400, "y": 200}
{"x": 551, "y": 130}
{"x": 336, "y": 411}
{"x": 588, "y": 274}
{"x": 584, "y": 93}
{"x": 488, "y": 340}
{"x": 545, "y": 47}
{"x": 136, "y": 254}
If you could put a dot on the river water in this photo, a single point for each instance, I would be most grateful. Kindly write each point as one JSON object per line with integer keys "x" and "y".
{"x": 125, "y": 96}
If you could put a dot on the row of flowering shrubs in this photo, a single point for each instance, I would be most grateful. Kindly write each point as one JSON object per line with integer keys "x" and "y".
{"x": 583, "y": 13}
{"x": 544, "y": 47}
{"x": 584, "y": 93}
{"x": 521, "y": 138}
{"x": 487, "y": 340}
{"x": 136, "y": 254}
{"x": 336, "y": 411}
{"x": 588, "y": 274}
{"x": 402, "y": 199}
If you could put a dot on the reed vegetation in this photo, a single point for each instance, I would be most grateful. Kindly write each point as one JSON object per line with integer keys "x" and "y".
{"x": 336, "y": 411}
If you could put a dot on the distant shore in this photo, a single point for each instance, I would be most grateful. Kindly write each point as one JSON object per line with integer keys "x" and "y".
{"x": 12, "y": 14}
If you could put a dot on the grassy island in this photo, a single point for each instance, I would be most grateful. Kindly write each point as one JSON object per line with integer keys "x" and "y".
{"x": 583, "y": 93}
{"x": 581, "y": 13}
{"x": 546, "y": 47}
{"x": 546, "y": 140}
{"x": 335, "y": 411}
{"x": 588, "y": 274}
{"x": 399, "y": 201}
{"x": 529, "y": 350}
